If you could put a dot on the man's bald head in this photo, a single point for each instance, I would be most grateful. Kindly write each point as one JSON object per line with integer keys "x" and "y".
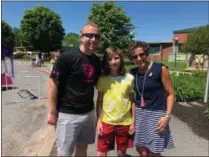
{"x": 89, "y": 26}
{"x": 90, "y": 38}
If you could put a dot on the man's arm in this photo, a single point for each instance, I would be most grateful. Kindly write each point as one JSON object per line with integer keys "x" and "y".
{"x": 52, "y": 101}
{"x": 99, "y": 113}
{"x": 52, "y": 95}
{"x": 58, "y": 73}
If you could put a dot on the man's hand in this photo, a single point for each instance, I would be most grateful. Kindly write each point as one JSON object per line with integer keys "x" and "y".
{"x": 52, "y": 118}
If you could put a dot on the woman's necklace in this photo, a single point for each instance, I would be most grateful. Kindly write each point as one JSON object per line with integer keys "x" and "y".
{"x": 142, "y": 102}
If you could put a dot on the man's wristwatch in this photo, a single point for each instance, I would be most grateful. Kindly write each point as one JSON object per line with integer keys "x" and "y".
{"x": 168, "y": 115}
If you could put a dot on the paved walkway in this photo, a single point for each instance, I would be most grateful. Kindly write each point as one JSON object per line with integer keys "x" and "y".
{"x": 24, "y": 119}
{"x": 189, "y": 129}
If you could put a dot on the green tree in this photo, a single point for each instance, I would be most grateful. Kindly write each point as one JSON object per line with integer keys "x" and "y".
{"x": 115, "y": 26}
{"x": 71, "y": 39}
{"x": 17, "y": 34}
{"x": 198, "y": 41}
{"x": 42, "y": 29}
{"x": 7, "y": 35}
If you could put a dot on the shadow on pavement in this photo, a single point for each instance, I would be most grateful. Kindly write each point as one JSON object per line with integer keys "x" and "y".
{"x": 194, "y": 117}
{"x": 7, "y": 88}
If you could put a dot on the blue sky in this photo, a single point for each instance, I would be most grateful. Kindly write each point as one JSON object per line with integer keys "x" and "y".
{"x": 155, "y": 21}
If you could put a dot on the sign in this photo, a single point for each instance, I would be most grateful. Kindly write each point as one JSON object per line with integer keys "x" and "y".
{"x": 179, "y": 57}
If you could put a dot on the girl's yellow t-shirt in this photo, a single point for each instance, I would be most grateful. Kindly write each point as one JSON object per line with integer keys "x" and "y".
{"x": 116, "y": 103}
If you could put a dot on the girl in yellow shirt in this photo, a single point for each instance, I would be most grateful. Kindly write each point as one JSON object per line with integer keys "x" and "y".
{"x": 115, "y": 107}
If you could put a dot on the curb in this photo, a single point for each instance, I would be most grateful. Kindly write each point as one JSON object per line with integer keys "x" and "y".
{"x": 48, "y": 142}
{"x": 49, "y": 138}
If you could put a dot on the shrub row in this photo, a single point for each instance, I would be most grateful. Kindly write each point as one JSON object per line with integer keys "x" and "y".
{"x": 189, "y": 87}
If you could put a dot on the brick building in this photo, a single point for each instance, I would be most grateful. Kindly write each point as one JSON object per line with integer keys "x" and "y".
{"x": 160, "y": 50}
{"x": 165, "y": 50}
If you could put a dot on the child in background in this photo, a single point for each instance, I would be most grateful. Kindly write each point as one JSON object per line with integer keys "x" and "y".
{"x": 201, "y": 61}
{"x": 115, "y": 107}
{"x": 197, "y": 62}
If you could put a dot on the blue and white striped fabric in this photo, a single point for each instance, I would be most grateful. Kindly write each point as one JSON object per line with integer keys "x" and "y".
{"x": 146, "y": 134}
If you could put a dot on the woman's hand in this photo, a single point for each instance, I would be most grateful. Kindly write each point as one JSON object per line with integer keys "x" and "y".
{"x": 162, "y": 124}
{"x": 99, "y": 128}
{"x": 132, "y": 129}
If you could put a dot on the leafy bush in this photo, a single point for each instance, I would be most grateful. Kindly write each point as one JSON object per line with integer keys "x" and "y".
{"x": 189, "y": 87}
{"x": 200, "y": 73}
{"x": 19, "y": 55}
{"x": 129, "y": 67}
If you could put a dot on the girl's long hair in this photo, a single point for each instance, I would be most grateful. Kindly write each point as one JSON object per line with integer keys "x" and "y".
{"x": 108, "y": 54}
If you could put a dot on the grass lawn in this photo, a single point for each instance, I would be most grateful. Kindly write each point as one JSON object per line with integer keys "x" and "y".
{"x": 180, "y": 66}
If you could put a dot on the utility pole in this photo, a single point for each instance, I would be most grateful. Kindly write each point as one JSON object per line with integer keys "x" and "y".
{"x": 207, "y": 83}
{"x": 175, "y": 40}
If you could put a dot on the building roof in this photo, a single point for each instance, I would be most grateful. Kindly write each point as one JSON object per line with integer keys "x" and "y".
{"x": 188, "y": 30}
{"x": 159, "y": 42}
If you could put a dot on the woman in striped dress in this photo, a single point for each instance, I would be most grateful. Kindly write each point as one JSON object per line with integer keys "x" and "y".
{"x": 154, "y": 99}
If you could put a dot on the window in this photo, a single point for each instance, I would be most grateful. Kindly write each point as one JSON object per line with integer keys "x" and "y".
{"x": 154, "y": 49}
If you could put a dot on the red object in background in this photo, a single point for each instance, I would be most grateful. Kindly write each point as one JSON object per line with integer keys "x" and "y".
{"x": 6, "y": 80}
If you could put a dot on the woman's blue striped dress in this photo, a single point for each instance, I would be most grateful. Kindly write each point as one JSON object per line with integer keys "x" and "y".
{"x": 147, "y": 117}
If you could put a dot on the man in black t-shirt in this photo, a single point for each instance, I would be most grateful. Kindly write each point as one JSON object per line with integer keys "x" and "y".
{"x": 71, "y": 92}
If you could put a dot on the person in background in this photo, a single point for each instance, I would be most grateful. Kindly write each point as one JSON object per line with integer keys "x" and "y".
{"x": 42, "y": 59}
{"x": 71, "y": 92}
{"x": 33, "y": 60}
{"x": 115, "y": 108}
{"x": 39, "y": 58}
{"x": 197, "y": 62}
{"x": 201, "y": 61}
{"x": 154, "y": 99}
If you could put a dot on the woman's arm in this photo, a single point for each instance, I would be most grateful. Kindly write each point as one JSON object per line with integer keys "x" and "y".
{"x": 99, "y": 105}
{"x": 133, "y": 107}
{"x": 168, "y": 86}
{"x": 133, "y": 114}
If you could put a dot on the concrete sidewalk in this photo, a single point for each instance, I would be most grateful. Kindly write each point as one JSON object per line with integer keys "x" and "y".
{"x": 47, "y": 138}
{"x": 24, "y": 128}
